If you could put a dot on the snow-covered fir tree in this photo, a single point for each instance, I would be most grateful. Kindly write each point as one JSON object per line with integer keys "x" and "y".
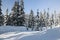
{"x": 52, "y": 20}
{"x": 37, "y": 21}
{"x": 0, "y": 7}
{"x": 1, "y": 15}
{"x": 47, "y": 18}
{"x": 14, "y": 14}
{"x": 21, "y": 15}
{"x": 26, "y": 20}
{"x": 41, "y": 20}
{"x": 6, "y": 18}
{"x": 18, "y": 15}
{"x": 55, "y": 18}
{"x": 44, "y": 19}
{"x": 31, "y": 20}
{"x": 58, "y": 18}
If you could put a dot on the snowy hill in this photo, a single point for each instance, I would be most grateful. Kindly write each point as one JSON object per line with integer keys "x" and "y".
{"x": 16, "y": 33}
{"x": 4, "y": 29}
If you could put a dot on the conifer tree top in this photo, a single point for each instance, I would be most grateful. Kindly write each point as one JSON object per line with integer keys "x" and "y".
{"x": 37, "y": 11}
{"x": 6, "y": 11}
{"x": 22, "y": 4}
{"x": 0, "y": 2}
{"x": 0, "y": 7}
{"x": 31, "y": 12}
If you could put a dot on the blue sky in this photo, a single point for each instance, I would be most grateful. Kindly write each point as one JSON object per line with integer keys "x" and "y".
{"x": 34, "y": 5}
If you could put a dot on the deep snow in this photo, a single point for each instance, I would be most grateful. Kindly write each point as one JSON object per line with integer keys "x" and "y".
{"x": 20, "y": 33}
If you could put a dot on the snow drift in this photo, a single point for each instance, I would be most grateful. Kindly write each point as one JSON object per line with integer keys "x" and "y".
{"x": 50, "y": 34}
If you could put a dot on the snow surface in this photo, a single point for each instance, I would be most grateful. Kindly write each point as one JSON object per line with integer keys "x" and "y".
{"x": 20, "y": 33}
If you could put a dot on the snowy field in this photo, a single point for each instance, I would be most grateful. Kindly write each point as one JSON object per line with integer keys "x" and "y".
{"x": 20, "y": 33}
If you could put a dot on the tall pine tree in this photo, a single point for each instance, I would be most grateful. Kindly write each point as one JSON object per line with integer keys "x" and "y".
{"x": 52, "y": 20}
{"x": 6, "y": 18}
{"x": 31, "y": 20}
{"x": 47, "y": 18}
{"x": 21, "y": 17}
{"x": 41, "y": 20}
{"x": 15, "y": 10}
{"x": 1, "y": 15}
{"x": 37, "y": 21}
{"x": 44, "y": 19}
{"x": 15, "y": 13}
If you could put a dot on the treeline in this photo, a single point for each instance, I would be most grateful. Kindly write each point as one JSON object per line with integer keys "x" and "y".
{"x": 19, "y": 18}
{"x": 42, "y": 19}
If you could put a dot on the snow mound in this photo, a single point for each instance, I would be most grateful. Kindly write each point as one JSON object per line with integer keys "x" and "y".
{"x": 4, "y": 29}
{"x": 50, "y": 34}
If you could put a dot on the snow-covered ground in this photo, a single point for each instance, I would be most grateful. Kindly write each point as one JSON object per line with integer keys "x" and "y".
{"x": 20, "y": 33}
{"x": 4, "y": 29}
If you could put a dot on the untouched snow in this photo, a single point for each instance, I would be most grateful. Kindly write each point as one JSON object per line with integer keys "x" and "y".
{"x": 4, "y": 29}
{"x": 22, "y": 34}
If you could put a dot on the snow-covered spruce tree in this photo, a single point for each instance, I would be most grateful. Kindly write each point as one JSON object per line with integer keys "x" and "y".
{"x": 17, "y": 17}
{"x": 26, "y": 21}
{"x": 55, "y": 18}
{"x": 47, "y": 18}
{"x": 0, "y": 7}
{"x": 31, "y": 20}
{"x": 9, "y": 20}
{"x": 52, "y": 20}
{"x": 1, "y": 15}
{"x": 6, "y": 18}
{"x": 15, "y": 13}
{"x": 37, "y": 21}
{"x": 21, "y": 15}
{"x": 42, "y": 20}
{"x": 59, "y": 19}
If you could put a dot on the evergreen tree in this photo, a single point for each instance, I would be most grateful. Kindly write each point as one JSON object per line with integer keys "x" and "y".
{"x": 31, "y": 20}
{"x": 14, "y": 15}
{"x": 37, "y": 21}
{"x": 26, "y": 20}
{"x": 6, "y": 18}
{"x": 52, "y": 20}
{"x": 0, "y": 7}
{"x": 11, "y": 19}
{"x": 44, "y": 19}
{"x": 1, "y": 15}
{"x": 18, "y": 15}
{"x": 41, "y": 20}
{"x": 58, "y": 19}
{"x": 47, "y": 18}
{"x": 21, "y": 17}
{"x": 55, "y": 18}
